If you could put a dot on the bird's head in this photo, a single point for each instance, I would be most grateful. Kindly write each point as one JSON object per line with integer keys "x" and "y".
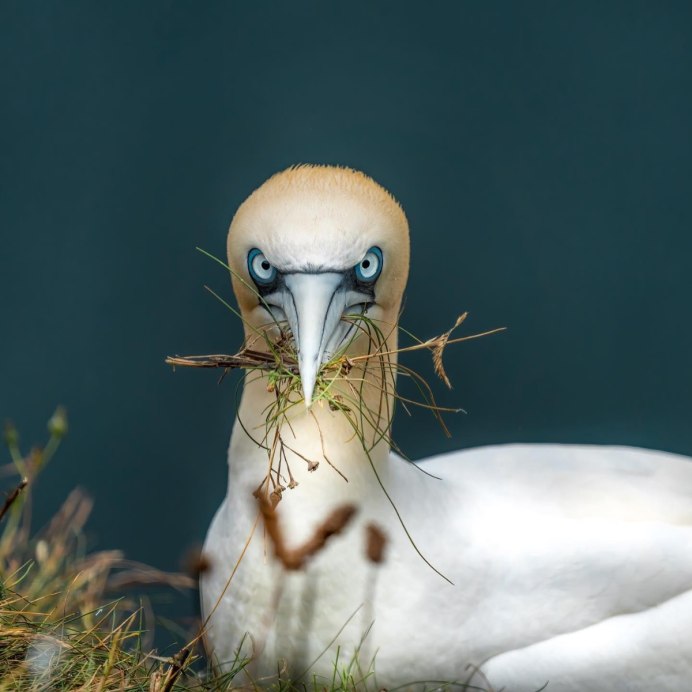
{"x": 311, "y": 245}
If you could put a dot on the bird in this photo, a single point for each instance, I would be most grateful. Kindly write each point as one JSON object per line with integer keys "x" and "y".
{"x": 513, "y": 566}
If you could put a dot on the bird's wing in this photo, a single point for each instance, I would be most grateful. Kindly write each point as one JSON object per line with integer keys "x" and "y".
{"x": 555, "y": 539}
{"x": 637, "y": 652}
{"x": 588, "y": 481}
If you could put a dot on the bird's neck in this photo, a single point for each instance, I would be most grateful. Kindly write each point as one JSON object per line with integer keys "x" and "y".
{"x": 318, "y": 457}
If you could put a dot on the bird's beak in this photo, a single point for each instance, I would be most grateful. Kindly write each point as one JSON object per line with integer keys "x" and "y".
{"x": 314, "y": 304}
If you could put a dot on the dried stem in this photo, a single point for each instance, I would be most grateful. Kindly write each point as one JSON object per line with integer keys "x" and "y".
{"x": 12, "y": 497}
{"x": 251, "y": 359}
{"x": 296, "y": 558}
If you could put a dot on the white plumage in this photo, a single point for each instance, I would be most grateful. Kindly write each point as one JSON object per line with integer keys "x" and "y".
{"x": 570, "y": 565}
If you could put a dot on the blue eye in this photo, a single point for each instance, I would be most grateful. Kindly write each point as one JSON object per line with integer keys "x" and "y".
{"x": 369, "y": 268}
{"x": 260, "y": 268}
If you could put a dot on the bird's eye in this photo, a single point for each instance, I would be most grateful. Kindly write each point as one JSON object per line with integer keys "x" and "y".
{"x": 260, "y": 268}
{"x": 369, "y": 268}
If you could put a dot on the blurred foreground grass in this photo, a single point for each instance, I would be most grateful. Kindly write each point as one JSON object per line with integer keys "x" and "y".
{"x": 71, "y": 619}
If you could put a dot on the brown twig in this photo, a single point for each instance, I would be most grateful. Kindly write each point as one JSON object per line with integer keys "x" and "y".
{"x": 176, "y": 667}
{"x": 375, "y": 543}
{"x": 246, "y": 358}
{"x": 434, "y": 342}
{"x": 143, "y": 575}
{"x": 295, "y": 559}
{"x": 9, "y": 500}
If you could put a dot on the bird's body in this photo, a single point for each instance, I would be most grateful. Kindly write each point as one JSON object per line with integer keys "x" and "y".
{"x": 568, "y": 564}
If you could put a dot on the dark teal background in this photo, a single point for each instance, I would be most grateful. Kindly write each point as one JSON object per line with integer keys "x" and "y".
{"x": 541, "y": 150}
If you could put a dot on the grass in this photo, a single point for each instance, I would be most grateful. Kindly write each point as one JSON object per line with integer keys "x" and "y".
{"x": 71, "y": 619}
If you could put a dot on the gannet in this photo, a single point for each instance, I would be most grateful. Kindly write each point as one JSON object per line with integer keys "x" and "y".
{"x": 525, "y": 565}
